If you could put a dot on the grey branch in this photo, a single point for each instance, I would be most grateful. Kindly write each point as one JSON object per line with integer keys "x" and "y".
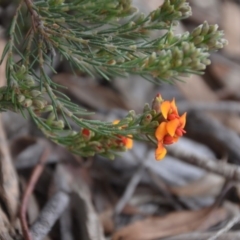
{"x": 49, "y": 215}
{"x": 206, "y": 236}
{"x": 229, "y": 171}
{"x": 219, "y": 106}
{"x": 230, "y": 224}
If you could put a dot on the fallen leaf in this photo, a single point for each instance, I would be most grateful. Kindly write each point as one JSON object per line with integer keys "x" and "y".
{"x": 9, "y": 192}
{"x": 208, "y": 185}
{"x": 172, "y": 224}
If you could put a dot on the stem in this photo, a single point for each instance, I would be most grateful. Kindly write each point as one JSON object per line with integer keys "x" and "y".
{"x": 29, "y": 189}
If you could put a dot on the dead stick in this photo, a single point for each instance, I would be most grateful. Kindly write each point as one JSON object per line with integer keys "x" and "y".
{"x": 234, "y": 235}
{"x": 29, "y": 189}
{"x": 230, "y": 224}
{"x": 49, "y": 215}
{"x": 231, "y": 107}
{"x": 227, "y": 170}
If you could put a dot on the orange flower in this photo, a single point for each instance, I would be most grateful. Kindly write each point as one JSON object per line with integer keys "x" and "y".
{"x": 169, "y": 110}
{"x": 168, "y": 133}
{"x": 176, "y": 126}
{"x": 126, "y": 141}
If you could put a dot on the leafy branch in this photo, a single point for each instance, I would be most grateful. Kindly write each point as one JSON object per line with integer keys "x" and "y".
{"x": 105, "y": 38}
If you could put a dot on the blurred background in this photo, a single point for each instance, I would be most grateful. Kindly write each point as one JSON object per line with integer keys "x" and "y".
{"x": 135, "y": 197}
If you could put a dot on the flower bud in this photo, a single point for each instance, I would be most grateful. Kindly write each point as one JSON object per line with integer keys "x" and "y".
{"x": 48, "y": 108}
{"x": 198, "y": 40}
{"x": 146, "y": 108}
{"x": 132, "y": 114}
{"x": 22, "y": 70}
{"x": 213, "y": 28}
{"x": 153, "y": 124}
{"x": 186, "y": 61}
{"x": 20, "y": 98}
{"x": 38, "y": 104}
{"x": 152, "y": 58}
{"x": 205, "y": 28}
{"x": 27, "y": 103}
{"x": 97, "y": 146}
{"x": 58, "y": 124}
{"x": 51, "y": 117}
{"x": 170, "y": 36}
{"x": 35, "y": 93}
{"x": 111, "y": 62}
{"x": 197, "y": 31}
{"x": 146, "y": 119}
{"x": 86, "y": 134}
{"x": 156, "y": 103}
{"x": 29, "y": 80}
{"x": 206, "y": 61}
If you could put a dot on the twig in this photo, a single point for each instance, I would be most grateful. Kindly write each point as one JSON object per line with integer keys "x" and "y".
{"x": 205, "y": 236}
{"x": 49, "y": 215}
{"x": 161, "y": 185}
{"x": 230, "y": 224}
{"x": 34, "y": 14}
{"x": 9, "y": 193}
{"x": 29, "y": 189}
{"x": 66, "y": 225}
{"x": 227, "y": 170}
{"x": 219, "y": 106}
{"x": 130, "y": 188}
{"x": 62, "y": 183}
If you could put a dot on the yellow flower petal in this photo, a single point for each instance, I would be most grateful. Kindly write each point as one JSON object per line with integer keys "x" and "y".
{"x": 172, "y": 126}
{"x": 116, "y": 121}
{"x": 160, "y": 152}
{"x": 183, "y": 120}
{"x": 165, "y": 107}
{"x": 161, "y": 131}
{"x": 174, "y": 107}
{"x": 129, "y": 143}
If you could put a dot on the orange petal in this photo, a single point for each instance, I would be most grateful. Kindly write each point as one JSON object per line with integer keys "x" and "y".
{"x": 160, "y": 152}
{"x": 161, "y": 131}
{"x": 172, "y": 126}
{"x": 175, "y": 139}
{"x": 183, "y": 120}
{"x": 174, "y": 107}
{"x": 129, "y": 142}
{"x": 116, "y": 121}
{"x": 165, "y": 107}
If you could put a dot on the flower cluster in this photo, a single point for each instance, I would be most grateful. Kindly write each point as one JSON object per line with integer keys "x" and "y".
{"x": 91, "y": 142}
{"x": 123, "y": 141}
{"x": 171, "y": 125}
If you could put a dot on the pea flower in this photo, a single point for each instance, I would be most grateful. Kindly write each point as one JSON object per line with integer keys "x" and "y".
{"x": 125, "y": 141}
{"x": 170, "y": 129}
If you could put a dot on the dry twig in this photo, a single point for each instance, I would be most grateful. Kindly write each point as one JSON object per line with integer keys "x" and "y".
{"x": 29, "y": 189}
{"x": 49, "y": 215}
{"x": 227, "y": 170}
{"x": 205, "y": 236}
{"x": 134, "y": 181}
{"x": 230, "y": 107}
{"x": 230, "y": 224}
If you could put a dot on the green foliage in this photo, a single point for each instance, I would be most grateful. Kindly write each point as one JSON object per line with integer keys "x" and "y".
{"x": 105, "y": 38}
